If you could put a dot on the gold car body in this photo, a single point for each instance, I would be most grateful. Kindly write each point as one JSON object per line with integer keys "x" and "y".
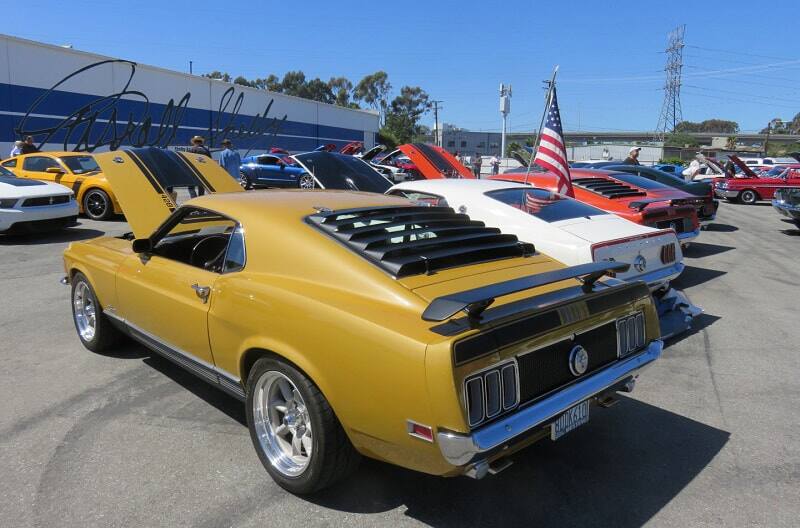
{"x": 79, "y": 183}
{"x": 352, "y": 328}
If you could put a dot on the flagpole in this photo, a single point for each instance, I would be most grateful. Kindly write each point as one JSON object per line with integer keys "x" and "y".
{"x": 552, "y": 84}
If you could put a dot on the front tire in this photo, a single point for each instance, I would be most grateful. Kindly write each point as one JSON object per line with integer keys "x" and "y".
{"x": 295, "y": 432}
{"x": 97, "y": 204}
{"x": 748, "y": 196}
{"x": 94, "y": 329}
{"x": 245, "y": 182}
{"x": 305, "y": 181}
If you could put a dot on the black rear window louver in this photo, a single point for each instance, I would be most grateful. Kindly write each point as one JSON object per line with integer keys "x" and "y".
{"x": 413, "y": 240}
{"x": 607, "y": 188}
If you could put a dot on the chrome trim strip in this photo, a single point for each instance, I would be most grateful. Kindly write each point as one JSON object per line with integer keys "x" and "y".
{"x": 460, "y": 449}
{"x": 195, "y": 365}
{"x": 656, "y": 278}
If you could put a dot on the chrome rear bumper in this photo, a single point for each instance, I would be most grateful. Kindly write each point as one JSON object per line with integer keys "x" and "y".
{"x": 467, "y": 450}
{"x": 659, "y": 278}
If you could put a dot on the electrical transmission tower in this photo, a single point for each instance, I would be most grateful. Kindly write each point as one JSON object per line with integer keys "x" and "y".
{"x": 671, "y": 113}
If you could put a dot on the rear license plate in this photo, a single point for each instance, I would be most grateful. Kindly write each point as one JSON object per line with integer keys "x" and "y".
{"x": 571, "y": 419}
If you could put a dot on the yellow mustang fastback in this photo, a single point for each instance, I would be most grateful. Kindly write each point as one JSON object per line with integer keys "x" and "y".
{"x": 357, "y": 324}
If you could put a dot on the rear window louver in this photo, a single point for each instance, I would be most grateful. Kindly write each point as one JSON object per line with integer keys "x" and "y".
{"x": 413, "y": 240}
{"x": 607, "y": 188}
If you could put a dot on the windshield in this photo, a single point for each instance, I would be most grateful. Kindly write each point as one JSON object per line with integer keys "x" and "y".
{"x": 339, "y": 171}
{"x": 544, "y": 205}
{"x": 6, "y": 173}
{"x": 776, "y": 172}
{"x": 80, "y": 164}
{"x": 639, "y": 181}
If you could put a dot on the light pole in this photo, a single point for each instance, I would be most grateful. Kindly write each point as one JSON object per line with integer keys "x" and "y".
{"x": 505, "y": 109}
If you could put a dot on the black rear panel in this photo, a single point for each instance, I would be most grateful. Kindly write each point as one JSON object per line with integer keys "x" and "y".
{"x": 547, "y": 369}
{"x": 413, "y": 240}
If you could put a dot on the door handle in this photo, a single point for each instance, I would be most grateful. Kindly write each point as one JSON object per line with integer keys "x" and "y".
{"x": 202, "y": 292}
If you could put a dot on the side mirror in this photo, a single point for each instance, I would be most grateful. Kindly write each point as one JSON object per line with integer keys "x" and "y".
{"x": 282, "y": 165}
{"x": 54, "y": 170}
{"x": 142, "y": 245}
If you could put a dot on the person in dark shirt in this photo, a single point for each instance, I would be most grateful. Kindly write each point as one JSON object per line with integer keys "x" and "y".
{"x": 28, "y": 147}
{"x": 198, "y": 146}
{"x": 633, "y": 156}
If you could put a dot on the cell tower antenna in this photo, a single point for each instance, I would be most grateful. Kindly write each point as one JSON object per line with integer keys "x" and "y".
{"x": 671, "y": 113}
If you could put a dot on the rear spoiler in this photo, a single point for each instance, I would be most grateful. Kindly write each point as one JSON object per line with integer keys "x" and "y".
{"x": 475, "y": 301}
{"x": 639, "y": 205}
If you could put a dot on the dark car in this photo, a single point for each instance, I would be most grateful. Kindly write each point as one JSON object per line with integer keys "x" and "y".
{"x": 272, "y": 170}
{"x": 331, "y": 170}
{"x": 787, "y": 203}
{"x": 670, "y": 168}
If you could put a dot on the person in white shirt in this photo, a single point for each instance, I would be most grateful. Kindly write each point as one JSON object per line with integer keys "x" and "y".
{"x": 17, "y": 149}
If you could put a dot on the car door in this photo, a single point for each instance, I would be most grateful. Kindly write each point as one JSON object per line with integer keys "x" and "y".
{"x": 164, "y": 294}
{"x": 271, "y": 171}
{"x": 36, "y": 167}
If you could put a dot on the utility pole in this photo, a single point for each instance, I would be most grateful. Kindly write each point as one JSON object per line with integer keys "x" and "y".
{"x": 671, "y": 113}
{"x": 437, "y": 134}
{"x": 190, "y": 67}
{"x": 776, "y": 122}
{"x": 505, "y": 109}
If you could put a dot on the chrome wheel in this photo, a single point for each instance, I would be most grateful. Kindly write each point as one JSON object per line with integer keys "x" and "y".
{"x": 84, "y": 308}
{"x": 282, "y": 424}
{"x": 306, "y": 181}
{"x": 749, "y": 197}
{"x": 244, "y": 181}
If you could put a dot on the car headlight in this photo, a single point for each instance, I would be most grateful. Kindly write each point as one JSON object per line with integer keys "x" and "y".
{"x": 7, "y": 203}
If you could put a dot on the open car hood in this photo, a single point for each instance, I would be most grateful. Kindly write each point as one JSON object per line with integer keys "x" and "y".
{"x": 435, "y": 162}
{"x": 747, "y": 171}
{"x": 140, "y": 178}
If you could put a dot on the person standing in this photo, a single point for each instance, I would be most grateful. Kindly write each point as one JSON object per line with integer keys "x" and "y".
{"x": 17, "y": 148}
{"x": 495, "y": 163}
{"x": 230, "y": 160}
{"x": 476, "y": 165}
{"x": 28, "y": 147}
{"x": 633, "y": 156}
{"x": 198, "y": 146}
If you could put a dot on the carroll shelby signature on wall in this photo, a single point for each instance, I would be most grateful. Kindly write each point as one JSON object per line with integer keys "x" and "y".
{"x": 112, "y": 121}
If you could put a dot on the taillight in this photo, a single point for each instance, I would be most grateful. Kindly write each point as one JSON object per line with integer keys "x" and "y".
{"x": 668, "y": 253}
{"x": 491, "y": 392}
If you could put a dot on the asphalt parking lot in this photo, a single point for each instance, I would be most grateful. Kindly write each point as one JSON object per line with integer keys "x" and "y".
{"x": 709, "y": 437}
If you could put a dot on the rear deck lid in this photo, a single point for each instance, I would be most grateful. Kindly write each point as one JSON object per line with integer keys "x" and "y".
{"x": 435, "y": 162}
{"x": 140, "y": 179}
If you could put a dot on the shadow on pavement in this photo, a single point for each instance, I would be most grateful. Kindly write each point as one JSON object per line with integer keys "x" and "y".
{"x": 693, "y": 276}
{"x": 699, "y": 323}
{"x": 205, "y": 391}
{"x": 791, "y": 232}
{"x": 721, "y": 228}
{"x": 70, "y": 234}
{"x": 701, "y": 249}
{"x": 620, "y": 469}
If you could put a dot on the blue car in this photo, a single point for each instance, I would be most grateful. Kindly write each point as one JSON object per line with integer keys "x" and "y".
{"x": 670, "y": 168}
{"x": 269, "y": 170}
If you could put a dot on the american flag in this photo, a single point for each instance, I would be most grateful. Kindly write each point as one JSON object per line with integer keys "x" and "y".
{"x": 551, "y": 153}
{"x": 534, "y": 204}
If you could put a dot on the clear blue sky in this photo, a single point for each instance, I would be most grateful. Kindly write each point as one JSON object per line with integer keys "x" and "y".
{"x": 610, "y": 53}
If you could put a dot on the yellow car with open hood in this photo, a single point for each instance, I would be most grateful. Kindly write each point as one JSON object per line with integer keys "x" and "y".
{"x": 357, "y": 324}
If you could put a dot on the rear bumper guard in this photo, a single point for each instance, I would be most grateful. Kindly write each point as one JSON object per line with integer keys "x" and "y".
{"x": 466, "y": 449}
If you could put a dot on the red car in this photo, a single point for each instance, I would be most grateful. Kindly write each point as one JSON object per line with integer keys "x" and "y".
{"x": 763, "y": 187}
{"x": 425, "y": 162}
{"x": 661, "y": 209}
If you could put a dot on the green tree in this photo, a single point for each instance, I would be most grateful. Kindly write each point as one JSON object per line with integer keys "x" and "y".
{"x": 709, "y": 125}
{"x": 243, "y": 82}
{"x": 680, "y": 139}
{"x": 374, "y": 90}
{"x": 341, "y": 88}
{"x": 318, "y": 90}
{"x": 218, "y": 75}
{"x": 402, "y": 120}
{"x": 294, "y": 83}
{"x": 273, "y": 84}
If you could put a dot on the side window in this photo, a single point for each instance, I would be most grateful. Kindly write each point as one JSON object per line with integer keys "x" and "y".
{"x": 10, "y": 164}
{"x": 199, "y": 239}
{"x": 38, "y": 163}
{"x": 421, "y": 198}
{"x": 235, "y": 256}
{"x": 267, "y": 160}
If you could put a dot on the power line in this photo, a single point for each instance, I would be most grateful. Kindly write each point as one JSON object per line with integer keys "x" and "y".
{"x": 738, "y": 52}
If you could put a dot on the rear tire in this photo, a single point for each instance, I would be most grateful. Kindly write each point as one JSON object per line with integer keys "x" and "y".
{"x": 94, "y": 329}
{"x": 97, "y": 204}
{"x": 748, "y": 196}
{"x": 284, "y": 408}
